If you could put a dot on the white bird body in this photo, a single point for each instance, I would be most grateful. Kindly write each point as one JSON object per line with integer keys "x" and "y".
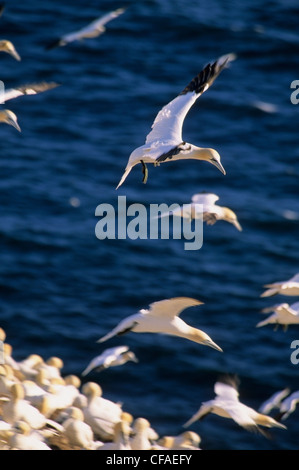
{"x": 227, "y": 405}
{"x": 284, "y": 314}
{"x": 18, "y": 409}
{"x": 24, "y": 439}
{"x": 92, "y": 30}
{"x": 203, "y": 207}
{"x": 111, "y": 357}
{"x": 165, "y": 142}
{"x": 99, "y": 413}
{"x": 77, "y": 432}
{"x": 162, "y": 317}
{"x": 289, "y": 287}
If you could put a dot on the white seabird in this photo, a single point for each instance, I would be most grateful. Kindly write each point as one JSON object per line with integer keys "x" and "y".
{"x": 111, "y": 357}
{"x": 274, "y": 401}
{"x": 163, "y": 317}
{"x": 284, "y": 314}
{"x": 289, "y": 287}
{"x": 92, "y": 30}
{"x": 288, "y": 405}
{"x": 227, "y": 405}
{"x": 7, "y": 46}
{"x": 203, "y": 207}
{"x": 165, "y": 142}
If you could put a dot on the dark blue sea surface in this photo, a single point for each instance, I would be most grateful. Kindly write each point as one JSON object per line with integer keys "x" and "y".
{"x": 61, "y": 288}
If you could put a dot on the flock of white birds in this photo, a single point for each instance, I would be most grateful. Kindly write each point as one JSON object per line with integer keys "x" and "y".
{"x": 42, "y": 410}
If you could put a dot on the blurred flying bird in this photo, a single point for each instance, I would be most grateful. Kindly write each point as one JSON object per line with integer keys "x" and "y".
{"x": 227, "y": 405}
{"x": 203, "y": 207}
{"x": 284, "y": 314}
{"x": 110, "y": 358}
{"x": 274, "y": 401}
{"x": 290, "y": 287}
{"x": 92, "y": 30}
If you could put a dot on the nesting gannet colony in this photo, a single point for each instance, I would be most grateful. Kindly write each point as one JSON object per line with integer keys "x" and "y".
{"x": 66, "y": 293}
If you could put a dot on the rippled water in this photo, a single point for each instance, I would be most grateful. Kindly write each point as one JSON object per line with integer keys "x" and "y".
{"x": 62, "y": 288}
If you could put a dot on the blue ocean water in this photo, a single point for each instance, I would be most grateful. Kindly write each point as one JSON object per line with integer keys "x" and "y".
{"x": 62, "y": 288}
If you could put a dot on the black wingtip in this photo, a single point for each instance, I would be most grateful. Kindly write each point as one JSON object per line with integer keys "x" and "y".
{"x": 2, "y": 8}
{"x": 53, "y": 45}
{"x": 208, "y": 75}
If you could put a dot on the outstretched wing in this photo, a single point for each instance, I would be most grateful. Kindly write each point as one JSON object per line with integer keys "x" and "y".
{"x": 204, "y": 410}
{"x": 171, "y": 307}
{"x": 168, "y": 123}
{"x": 31, "y": 89}
{"x": 123, "y": 327}
{"x": 99, "y": 23}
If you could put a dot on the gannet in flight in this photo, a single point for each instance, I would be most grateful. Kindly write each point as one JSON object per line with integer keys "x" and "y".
{"x": 284, "y": 314}
{"x": 288, "y": 405}
{"x": 7, "y": 46}
{"x": 163, "y": 317}
{"x": 165, "y": 142}
{"x": 227, "y": 405}
{"x": 8, "y": 117}
{"x": 274, "y": 401}
{"x": 92, "y": 30}
{"x": 110, "y": 358}
{"x": 203, "y": 207}
{"x": 290, "y": 287}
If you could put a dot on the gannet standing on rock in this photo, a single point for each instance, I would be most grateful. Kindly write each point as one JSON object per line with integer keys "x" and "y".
{"x": 165, "y": 143}
{"x": 227, "y": 405}
{"x": 19, "y": 409}
{"x": 163, "y": 317}
{"x": 99, "y": 413}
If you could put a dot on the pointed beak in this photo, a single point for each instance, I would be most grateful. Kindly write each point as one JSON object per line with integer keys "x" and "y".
{"x": 218, "y": 165}
{"x": 213, "y": 345}
{"x": 14, "y": 53}
{"x": 237, "y": 225}
{"x": 14, "y": 124}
